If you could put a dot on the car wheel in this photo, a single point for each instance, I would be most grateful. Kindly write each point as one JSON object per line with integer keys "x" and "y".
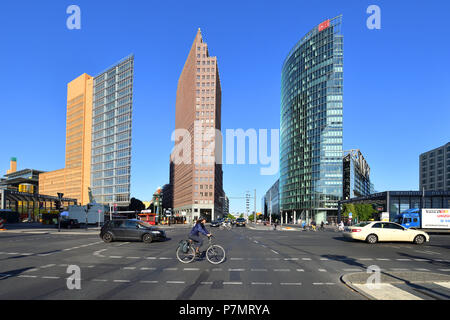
{"x": 107, "y": 237}
{"x": 147, "y": 238}
{"x": 419, "y": 239}
{"x": 372, "y": 239}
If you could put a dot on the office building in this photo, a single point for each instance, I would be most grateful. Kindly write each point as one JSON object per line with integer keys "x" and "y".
{"x": 111, "y": 134}
{"x": 434, "y": 172}
{"x": 271, "y": 204}
{"x": 74, "y": 179}
{"x": 356, "y": 175}
{"x": 197, "y": 181}
{"x": 311, "y": 124}
{"x": 98, "y": 138}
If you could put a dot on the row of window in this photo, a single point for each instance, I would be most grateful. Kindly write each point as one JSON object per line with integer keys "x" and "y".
{"x": 111, "y": 173}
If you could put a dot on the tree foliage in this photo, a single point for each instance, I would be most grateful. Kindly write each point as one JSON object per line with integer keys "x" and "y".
{"x": 136, "y": 205}
{"x": 360, "y": 211}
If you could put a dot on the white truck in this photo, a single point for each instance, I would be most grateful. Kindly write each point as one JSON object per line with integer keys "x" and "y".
{"x": 95, "y": 214}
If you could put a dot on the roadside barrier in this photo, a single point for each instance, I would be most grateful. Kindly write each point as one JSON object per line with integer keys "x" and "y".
{"x": 2, "y": 225}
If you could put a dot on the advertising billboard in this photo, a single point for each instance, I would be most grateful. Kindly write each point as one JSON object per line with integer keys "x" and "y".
{"x": 436, "y": 218}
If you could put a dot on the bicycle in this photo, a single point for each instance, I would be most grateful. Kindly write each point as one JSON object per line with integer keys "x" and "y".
{"x": 215, "y": 254}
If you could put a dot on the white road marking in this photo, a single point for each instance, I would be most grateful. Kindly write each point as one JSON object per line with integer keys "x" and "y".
{"x": 257, "y": 270}
{"x": 26, "y": 276}
{"x": 147, "y": 281}
{"x": 217, "y": 269}
{"x": 306, "y": 259}
{"x": 399, "y": 269}
{"x": 170, "y": 269}
{"x": 99, "y": 280}
{"x": 290, "y": 284}
{"x": 444, "y": 284}
{"x": 179, "y": 282}
{"x": 421, "y": 269}
{"x": 272, "y": 258}
{"x": 164, "y": 258}
{"x": 351, "y": 270}
{"x": 291, "y": 259}
{"x": 262, "y": 283}
{"x": 425, "y": 260}
{"x": 281, "y": 270}
{"x": 116, "y": 257}
{"x": 48, "y": 266}
{"x": 236, "y": 258}
{"x": 383, "y": 259}
{"x": 364, "y": 259}
{"x": 129, "y": 268}
{"x": 403, "y": 259}
{"x": 147, "y": 268}
{"x": 121, "y": 280}
{"x": 386, "y": 291}
{"x": 274, "y": 251}
{"x": 300, "y": 270}
{"x": 151, "y": 258}
{"x": 232, "y": 282}
{"x": 444, "y": 270}
{"x": 322, "y": 270}
{"x": 206, "y": 282}
{"x": 324, "y": 259}
{"x": 236, "y": 269}
{"x": 323, "y": 283}
{"x": 49, "y": 277}
{"x": 133, "y": 257}
{"x": 191, "y": 269}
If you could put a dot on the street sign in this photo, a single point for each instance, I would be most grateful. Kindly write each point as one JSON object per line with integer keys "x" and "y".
{"x": 350, "y": 214}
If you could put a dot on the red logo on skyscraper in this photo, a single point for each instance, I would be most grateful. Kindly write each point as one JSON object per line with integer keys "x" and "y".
{"x": 324, "y": 25}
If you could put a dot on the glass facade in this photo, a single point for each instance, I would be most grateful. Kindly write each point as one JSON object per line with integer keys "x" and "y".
{"x": 356, "y": 175}
{"x": 311, "y": 123}
{"x": 111, "y": 134}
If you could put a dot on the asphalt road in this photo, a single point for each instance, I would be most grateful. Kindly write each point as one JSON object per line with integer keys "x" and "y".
{"x": 260, "y": 264}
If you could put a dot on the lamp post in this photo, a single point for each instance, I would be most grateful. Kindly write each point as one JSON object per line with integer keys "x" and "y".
{"x": 60, "y": 195}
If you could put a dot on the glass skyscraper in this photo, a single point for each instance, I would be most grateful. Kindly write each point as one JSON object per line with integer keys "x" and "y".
{"x": 111, "y": 134}
{"x": 311, "y": 124}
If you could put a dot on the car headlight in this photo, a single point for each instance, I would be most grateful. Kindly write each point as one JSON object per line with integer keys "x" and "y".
{"x": 156, "y": 232}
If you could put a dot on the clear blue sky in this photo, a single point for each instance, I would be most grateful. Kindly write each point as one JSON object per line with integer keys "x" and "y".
{"x": 396, "y": 80}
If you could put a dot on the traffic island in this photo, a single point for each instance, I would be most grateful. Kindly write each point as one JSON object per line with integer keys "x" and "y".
{"x": 382, "y": 286}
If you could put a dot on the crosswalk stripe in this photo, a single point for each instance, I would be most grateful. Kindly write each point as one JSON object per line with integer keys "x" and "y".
{"x": 386, "y": 291}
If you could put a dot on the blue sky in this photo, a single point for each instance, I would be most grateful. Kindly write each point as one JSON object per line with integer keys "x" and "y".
{"x": 396, "y": 84}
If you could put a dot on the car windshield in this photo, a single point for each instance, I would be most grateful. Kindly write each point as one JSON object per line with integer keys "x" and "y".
{"x": 240, "y": 219}
{"x": 362, "y": 224}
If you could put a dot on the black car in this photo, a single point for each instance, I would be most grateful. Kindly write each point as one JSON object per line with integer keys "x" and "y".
{"x": 215, "y": 223}
{"x": 69, "y": 223}
{"x": 131, "y": 229}
{"x": 240, "y": 222}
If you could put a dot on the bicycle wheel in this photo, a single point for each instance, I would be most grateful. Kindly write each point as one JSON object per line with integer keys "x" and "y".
{"x": 215, "y": 254}
{"x": 186, "y": 257}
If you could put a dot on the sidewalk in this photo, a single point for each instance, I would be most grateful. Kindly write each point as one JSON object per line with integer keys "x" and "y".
{"x": 39, "y": 228}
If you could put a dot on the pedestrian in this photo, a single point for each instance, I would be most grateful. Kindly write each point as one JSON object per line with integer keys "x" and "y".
{"x": 321, "y": 225}
{"x": 275, "y": 224}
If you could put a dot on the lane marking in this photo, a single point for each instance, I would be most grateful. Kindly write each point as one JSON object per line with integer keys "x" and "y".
{"x": 206, "y": 282}
{"x": 300, "y": 270}
{"x": 323, "y": 283}
{"x": 290, "y": 284}
{"x": 133, "y": 257}
{"x": 262, "y": 283}
{"x": 116, "y": 257}
{"x": 274, "y": 251}
{"x": 403, "y": 259}
{"x": 322, "y": 270}
{"x": 50, "y": 277}
{"x": 147, "y": 268}
{"x": 217, "y": 269}
{"x": 232, "y": 283}
{"x": 191, "y": 269}
{"x": 175, "y": 282}
{"x": 99, "y": 280}
{"x": 281, "y": 270}
{"x": 129, "y": 268}
{"x": 291, "y": 259}
{"x": 164, "y": 258}
{"x": 421, "y": 269}
{"x": 324, "y": 259}
{"x": 444, "y": 270}
{"x": 170, "y": 269}
{"x": 121, "y": 281}
{"x": 26, "y": 276}
{"x": 236, "y": 269}
{"x": 236, "y": 258}
{"x": 364, "y": 259}
{"x": 306, "y": 259}
{"x": 257, "y": 270}
{"x": 352, "y": 270}
{"x": 383, "y": 259}
{"x": 148, "y": 281}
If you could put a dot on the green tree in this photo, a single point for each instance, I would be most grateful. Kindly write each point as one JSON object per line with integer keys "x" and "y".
{"x": 241, "y": 216}
{"x": 230, "y": 216}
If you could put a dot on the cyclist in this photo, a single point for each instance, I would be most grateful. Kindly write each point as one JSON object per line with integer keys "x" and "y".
{"x": 194, "y": 235}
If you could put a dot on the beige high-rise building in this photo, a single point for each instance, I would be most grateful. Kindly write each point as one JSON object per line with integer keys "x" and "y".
{"x": 197, "y": 185}
{"x": 74, "y": 179}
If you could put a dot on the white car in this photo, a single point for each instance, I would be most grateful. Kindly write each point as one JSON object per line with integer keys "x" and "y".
{"x": 377, "y": 231}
